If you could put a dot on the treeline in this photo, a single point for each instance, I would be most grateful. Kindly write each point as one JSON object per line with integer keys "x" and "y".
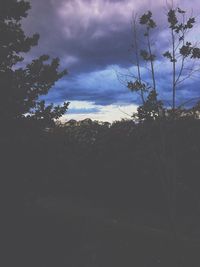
{"x": 122, "y": 165}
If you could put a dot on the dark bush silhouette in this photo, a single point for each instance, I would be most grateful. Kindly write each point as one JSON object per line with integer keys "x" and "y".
{"x": 21, "y": 87}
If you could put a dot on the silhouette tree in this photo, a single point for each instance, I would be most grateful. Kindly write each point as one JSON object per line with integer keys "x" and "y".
{"x": 151, "y": 107}
{"x": 181, "y": 49}
{"x": 147, "y": 55}
{"x": 182, "y": 54}
{"x": 21, "y": 86}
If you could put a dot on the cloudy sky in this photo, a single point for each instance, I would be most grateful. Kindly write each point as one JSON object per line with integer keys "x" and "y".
{"x": 93, "y": 40}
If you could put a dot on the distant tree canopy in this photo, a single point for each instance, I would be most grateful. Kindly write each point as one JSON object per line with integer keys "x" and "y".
{"x": 21, "y": 87}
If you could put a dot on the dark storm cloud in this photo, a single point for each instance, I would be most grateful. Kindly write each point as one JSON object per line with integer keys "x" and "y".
{"x": 73, "y": 91}
{"x": 85, "y": 34}
{"x": 89, "y": 36}
{"x": 82, "y": 40}
{"x": 83, "y": 111}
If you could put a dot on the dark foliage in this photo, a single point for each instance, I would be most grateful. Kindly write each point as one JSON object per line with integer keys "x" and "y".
{"x": 21, "y": 87}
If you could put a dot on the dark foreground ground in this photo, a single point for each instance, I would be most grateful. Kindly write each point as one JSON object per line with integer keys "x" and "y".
{"x": 69, "y": 231}
{"x": 93, "y": 195}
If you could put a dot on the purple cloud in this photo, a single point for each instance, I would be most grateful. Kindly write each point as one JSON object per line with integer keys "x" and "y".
{"x": 90, "y": 36}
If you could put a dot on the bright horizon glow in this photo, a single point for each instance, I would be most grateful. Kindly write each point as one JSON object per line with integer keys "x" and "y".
{"x": 109, "y": 113}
